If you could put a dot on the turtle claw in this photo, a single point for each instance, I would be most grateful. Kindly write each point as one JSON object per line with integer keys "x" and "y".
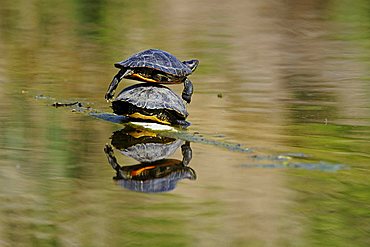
{"x": 187, "y": 98}
{"x": 108, "y": 97}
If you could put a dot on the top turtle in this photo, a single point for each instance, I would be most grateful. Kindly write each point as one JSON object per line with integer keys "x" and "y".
{"x": 156, "y": 66}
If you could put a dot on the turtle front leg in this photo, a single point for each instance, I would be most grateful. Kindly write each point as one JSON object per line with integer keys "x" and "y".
{"x": 116, "y": 79}
{"x": 108, "y": 150}
{"x": 188, "y": 90}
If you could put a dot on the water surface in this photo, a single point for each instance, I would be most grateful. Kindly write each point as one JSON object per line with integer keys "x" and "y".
{"x": 284, "y": 78}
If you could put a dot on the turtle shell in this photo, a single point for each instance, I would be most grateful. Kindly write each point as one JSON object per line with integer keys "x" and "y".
{"x": 157, "y": 176}
{"x": 155, "y": 183}
{"x": 144, "y": 148}
{"x": 150, "y": 99}
{"x": 157, "y": 60}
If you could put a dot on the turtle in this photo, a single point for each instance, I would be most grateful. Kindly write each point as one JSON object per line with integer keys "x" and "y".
{"x": 144, "y": 145}
{"x": 152, "y": 177}
{"x": 151, "y": 102}
{"x": 157, "y": 66}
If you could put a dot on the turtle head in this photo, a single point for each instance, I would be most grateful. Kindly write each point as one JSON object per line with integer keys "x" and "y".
{"x": 192, "y": 64}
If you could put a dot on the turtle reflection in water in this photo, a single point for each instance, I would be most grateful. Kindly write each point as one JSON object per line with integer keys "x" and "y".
{"x": 151, "y": 102}
{"x": 155, "y": 173}
{"x": 156, "y": 66}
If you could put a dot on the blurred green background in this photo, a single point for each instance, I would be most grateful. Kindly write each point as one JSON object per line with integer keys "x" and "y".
{"x": 293, "y": 76}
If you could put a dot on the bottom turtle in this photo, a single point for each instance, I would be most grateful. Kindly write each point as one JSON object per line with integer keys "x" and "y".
{"x": 144, "y": 145}
{"x": 152, "y": 177}
{"x": 151, "y": 102}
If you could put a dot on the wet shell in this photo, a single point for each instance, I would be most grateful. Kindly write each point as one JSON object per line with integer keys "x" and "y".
{"x": 153, "y": 96}
{"x": 158, "y": 60}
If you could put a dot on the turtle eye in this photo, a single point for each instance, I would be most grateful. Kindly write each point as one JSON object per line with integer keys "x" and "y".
{"x": 192, "y": 64}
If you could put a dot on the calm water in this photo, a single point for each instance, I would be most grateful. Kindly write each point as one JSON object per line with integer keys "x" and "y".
{"x": 280, "y": 77}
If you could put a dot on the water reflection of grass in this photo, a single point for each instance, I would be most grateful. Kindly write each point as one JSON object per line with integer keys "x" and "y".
{"x": 335, "y": 204}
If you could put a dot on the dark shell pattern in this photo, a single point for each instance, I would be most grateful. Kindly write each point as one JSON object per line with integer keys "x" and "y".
{"x": 156, "y": 59}
{"x": 152, "y": 96}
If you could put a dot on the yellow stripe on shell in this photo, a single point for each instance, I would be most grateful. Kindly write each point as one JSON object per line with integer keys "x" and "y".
{"x": 143, "y": 78}
{"x": 141, "y": 133}
{"x": 154, "y": 118}
{"x": 141, "y": 170}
